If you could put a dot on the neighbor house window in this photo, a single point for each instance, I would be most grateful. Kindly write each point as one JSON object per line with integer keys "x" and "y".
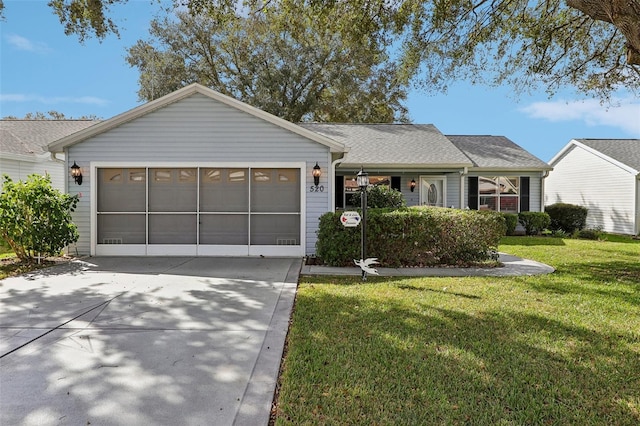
{"x": 499, "y": 193}
{"x": 352, "y": 190}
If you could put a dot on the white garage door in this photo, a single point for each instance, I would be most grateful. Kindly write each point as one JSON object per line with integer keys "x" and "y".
{"x": 198, "y": 211}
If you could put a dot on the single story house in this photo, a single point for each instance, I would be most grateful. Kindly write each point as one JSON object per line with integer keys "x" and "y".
{"x": 199, "y": 173}
{"x": 23, "y": 148}
{"x": 602, "y": 175}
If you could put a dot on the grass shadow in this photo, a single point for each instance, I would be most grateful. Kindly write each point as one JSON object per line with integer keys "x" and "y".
{"x": 389, "y": 363}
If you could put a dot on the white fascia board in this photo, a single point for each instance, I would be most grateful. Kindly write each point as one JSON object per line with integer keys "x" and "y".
{"x": 187, "y": 91}
{"x": 19, "y": 157}
{"x": 561, "y": 153}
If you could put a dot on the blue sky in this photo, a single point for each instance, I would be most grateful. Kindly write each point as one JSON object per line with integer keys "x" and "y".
{"x": 41, "y": 69}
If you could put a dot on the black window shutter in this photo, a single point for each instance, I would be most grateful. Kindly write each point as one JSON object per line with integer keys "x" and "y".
{"x": 525, "y": 183}
{"x": 395, "y": 183}
{"x": 339, "y": 191}
{"x": 473, "y": 192}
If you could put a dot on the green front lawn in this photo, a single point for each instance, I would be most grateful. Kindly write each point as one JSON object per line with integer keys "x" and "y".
{"x": 560, "y": 349}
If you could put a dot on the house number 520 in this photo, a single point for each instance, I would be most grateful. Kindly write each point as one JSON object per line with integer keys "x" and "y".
{"x": 316, "y": 188}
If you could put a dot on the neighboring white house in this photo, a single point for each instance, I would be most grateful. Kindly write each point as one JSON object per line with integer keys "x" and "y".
{"x": 23, "y": 148}
{"x": 199, "y": 173}
{"x": 602, "y": 175}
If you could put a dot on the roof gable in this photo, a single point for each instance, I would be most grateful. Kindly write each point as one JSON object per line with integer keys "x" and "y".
{"x": 184, "y": 93}
{"x": 624, "y": 153}
{"x": 393, "y": 145}
{"x": 496, "y": 152}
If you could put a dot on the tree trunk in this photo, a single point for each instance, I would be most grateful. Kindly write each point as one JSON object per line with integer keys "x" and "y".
{"x": 623, "y": 14}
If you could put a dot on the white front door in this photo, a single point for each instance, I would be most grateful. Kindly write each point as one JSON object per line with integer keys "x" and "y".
{"x": 432, "y": 191}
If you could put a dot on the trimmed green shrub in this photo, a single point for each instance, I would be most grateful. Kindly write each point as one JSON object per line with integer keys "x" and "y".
{"x": 416, "y": 236}
{"x": 379, "y": 197}
{"x": 589, "y": 234}
{"x": 35, "y": 218}
{"x": 511, "y": 221}
{"x": 567, "y": 217}
{"x": 534, "y": 222}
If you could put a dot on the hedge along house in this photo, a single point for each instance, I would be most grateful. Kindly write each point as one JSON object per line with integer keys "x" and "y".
{"x": 198, "y": 173}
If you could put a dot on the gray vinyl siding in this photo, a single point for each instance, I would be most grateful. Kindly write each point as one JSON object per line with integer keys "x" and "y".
{"x": 608, "y": 191}
{"x": 20, "y": 170}
{"x": 200, "y": 129}
{"x": 535, "y": 186}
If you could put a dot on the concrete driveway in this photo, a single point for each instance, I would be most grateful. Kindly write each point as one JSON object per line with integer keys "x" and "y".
{"x": 154, "y": 341}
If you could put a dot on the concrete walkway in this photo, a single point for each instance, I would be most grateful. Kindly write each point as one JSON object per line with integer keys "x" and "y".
{"x": 144, "y": 341}
{"x": 513, "y": 266}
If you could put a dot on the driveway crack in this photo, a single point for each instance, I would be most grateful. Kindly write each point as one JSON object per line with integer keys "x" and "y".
{"x": 100, "y": 306}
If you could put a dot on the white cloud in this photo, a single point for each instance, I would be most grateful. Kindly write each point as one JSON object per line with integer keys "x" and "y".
{"x": 86, "y": 100}
{"x": 623, "y": 114}
{"x": 22, "y": 43}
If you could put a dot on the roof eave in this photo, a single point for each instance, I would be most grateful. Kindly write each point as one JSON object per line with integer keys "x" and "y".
{"x": 595, "y": 152}
{"x": 511, "y": 169}
{"x": 407, "y": 166}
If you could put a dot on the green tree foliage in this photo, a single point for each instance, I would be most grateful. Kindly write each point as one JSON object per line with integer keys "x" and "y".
{"x": 593, "y": 45}
{"x": 35, "y": 218}
{"x": 302, "y": 69}
{"x": 49, "y": 115}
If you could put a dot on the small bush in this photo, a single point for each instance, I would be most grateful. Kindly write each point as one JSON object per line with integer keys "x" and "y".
{"x": 511, "y": 221}
{"x": 417, "y": 236}
{"x": 567, "y": 217}
{"x": 379, "y": 197}
{"x": 589, "y": 234}
{"x": 534, "y": 222}
{"x": 35, "y": 218}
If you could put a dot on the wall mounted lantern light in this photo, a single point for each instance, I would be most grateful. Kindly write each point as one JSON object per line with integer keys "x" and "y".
{"x": 317, "y": 172}
{"x": 76, "y": 172}
{"x": 412, "y": 184}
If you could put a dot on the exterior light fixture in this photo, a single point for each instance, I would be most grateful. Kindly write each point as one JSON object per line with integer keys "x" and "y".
{"x": 412, "y": 184}
{"x": 363, "y": 182}
{"x": 363, "y": 179}
{"x": 317, "y": 172}
{"x": 76, "y": 172}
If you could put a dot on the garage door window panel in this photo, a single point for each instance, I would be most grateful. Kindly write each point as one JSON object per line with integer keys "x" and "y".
{"x": 224, "y": 190}
{"x": 172, "y": 228}
{"x": 275, "y": 229}
{"x": 121, "y": 190}
{"x": 275, "y": 190}
{"x": 224, "y": 229}
{"x": 172, "y": 190}
{"x": 122, "y": 229}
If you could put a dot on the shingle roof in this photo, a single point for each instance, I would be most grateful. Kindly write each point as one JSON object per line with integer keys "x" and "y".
{"x": 496, "y": 152}
{"x": 407, "y": 145}
{"x": 625, "y": 151}
{"x": 31, "y": 137}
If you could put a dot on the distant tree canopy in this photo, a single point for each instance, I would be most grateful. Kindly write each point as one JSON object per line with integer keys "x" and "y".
{"x": 49, "y": 115}
{"x": 592, "y": 45}
{"x": 302, "y": 70}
